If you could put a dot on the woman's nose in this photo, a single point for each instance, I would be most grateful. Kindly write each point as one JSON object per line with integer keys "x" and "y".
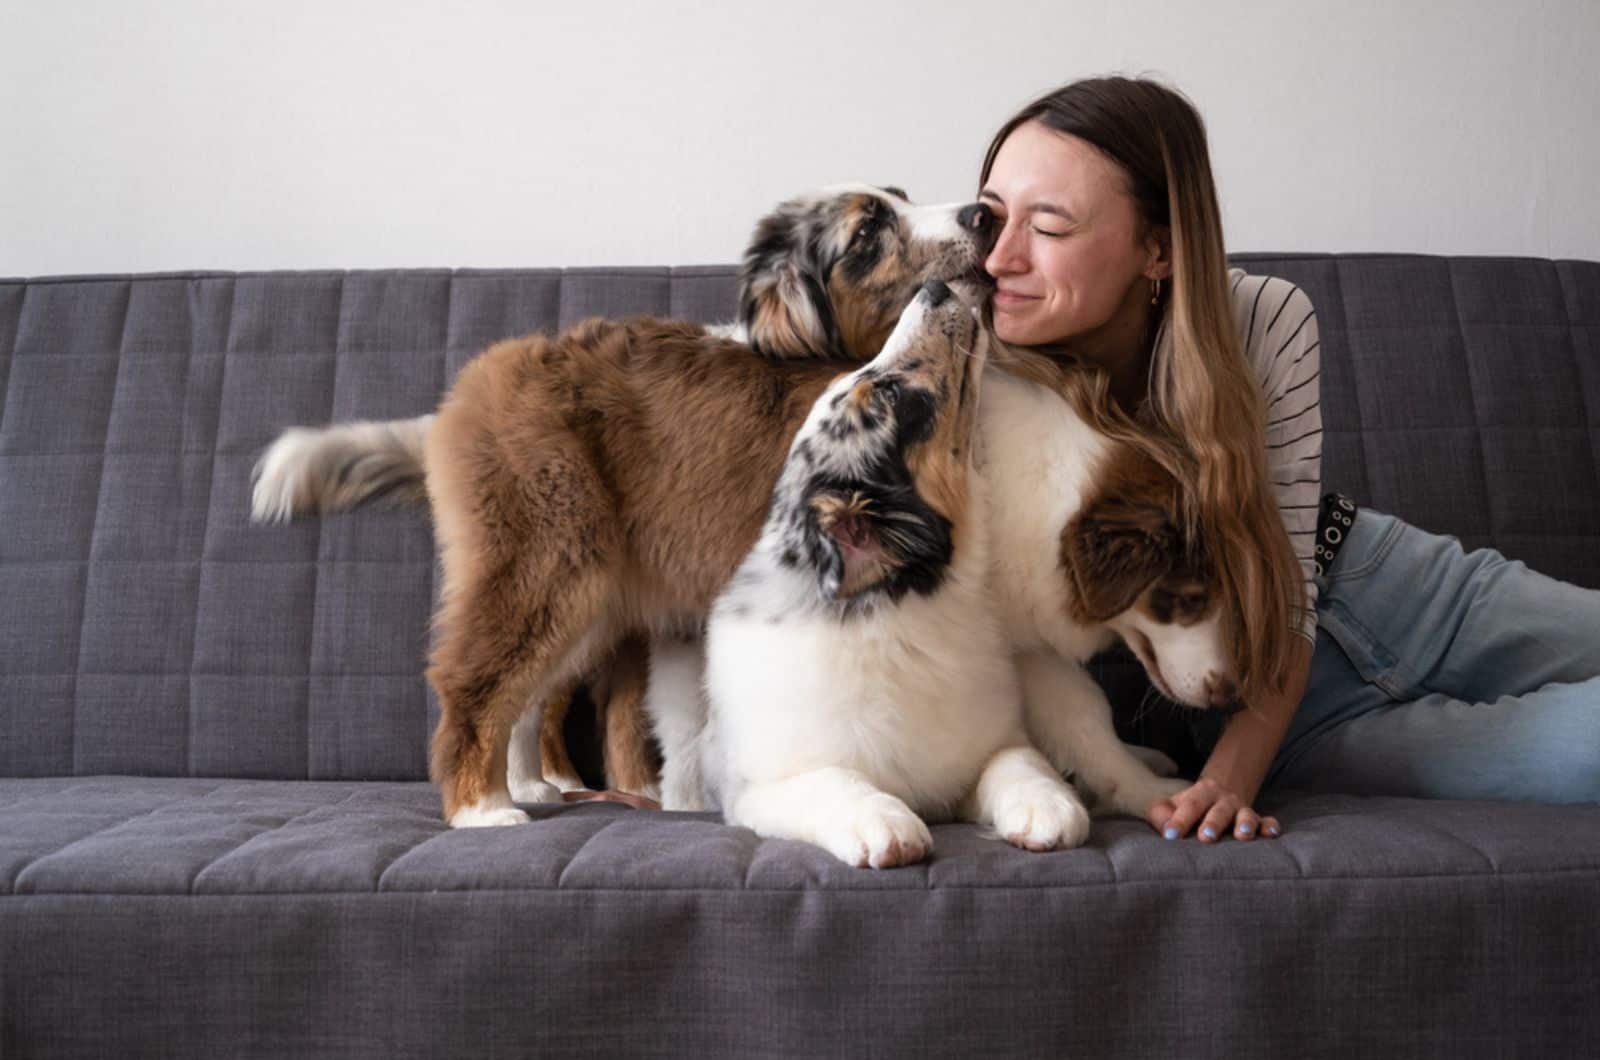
{"x": 1007, "y": 257}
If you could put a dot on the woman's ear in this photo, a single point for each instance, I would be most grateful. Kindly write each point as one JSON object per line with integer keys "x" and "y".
{"x": 1158, "y": 252}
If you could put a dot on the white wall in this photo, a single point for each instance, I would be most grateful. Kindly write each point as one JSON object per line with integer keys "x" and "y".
{"x": 195, "y": 134}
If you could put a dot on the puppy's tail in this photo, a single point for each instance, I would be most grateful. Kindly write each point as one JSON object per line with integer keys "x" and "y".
{"x": 328, "y": 469}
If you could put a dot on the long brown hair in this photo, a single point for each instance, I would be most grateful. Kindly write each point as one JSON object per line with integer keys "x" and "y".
{"x": 1203, "y": 396}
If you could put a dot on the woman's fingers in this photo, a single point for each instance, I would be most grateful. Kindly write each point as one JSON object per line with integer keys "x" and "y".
{"x": 1210, "y": 813}
{"x": 1191, "y": 806}
{"x": 1219, "y": 819}
{"x": 1246, "y": 824}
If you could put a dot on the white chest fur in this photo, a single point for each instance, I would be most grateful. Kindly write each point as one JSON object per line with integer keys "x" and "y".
{"x": 916, "y": 695}
{"x": 1040, "y": 460}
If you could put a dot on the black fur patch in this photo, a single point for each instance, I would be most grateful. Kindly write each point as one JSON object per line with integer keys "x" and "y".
{"x": 916, "y": 538}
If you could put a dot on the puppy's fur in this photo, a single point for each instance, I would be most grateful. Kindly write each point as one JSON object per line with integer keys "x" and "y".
{"x": 858, "y": 679}
{"x": 611, "y": 478}
{"x": 1086, "y": 539}
{"x": 1089, "y": 546}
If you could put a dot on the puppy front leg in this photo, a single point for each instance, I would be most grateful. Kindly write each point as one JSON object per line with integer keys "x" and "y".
{"x": 1070, "y": 721}
{"x": 838, "y": 810}
{"x": 1020, "y": 796}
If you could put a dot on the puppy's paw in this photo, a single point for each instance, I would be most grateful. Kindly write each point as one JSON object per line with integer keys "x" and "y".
{"x": 1135, "y": 800}
{"x": 1041, "y": 815}
{"x": 1155, "y": 761}
{"x": 487, "y": 817}
{"x": 532, "y": 792}
{"x": 878, "y": 832}
{"x": 561, "y": 782}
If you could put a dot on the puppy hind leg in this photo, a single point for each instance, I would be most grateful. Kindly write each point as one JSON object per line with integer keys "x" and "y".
{"x": 503, "y": 644}
{"x": 1021, "y": 796}
{"x": 555, "y": 762}
{"x": 675, "y": 704}
{"x": 630, "y": 758}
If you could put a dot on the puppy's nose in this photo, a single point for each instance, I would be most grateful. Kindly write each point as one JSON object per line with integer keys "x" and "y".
{"x": 934, "y": 292}
{"x": 1221, "y": 690}
{"x": 979, "y": 220}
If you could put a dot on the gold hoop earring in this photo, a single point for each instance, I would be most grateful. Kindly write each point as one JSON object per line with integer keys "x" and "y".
{"x": 1155, "y": 292}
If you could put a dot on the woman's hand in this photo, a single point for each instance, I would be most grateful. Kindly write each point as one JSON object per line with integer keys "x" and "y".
{"x": 1214, "y": 810}
{"x": 1219, "y": 802}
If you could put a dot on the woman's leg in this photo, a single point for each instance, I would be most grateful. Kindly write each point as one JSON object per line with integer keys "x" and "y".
{"x": 1540, "y": 747}
{"x": 1448, "y": 674}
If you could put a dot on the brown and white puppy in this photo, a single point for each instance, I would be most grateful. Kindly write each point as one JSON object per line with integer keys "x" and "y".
{"x": 824, "y": 278}
{"x": 1091, "y": 545}
{"x": 609, "y": 479}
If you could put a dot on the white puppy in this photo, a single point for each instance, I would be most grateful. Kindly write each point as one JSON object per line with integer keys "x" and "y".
{"x": 859, "y": 682}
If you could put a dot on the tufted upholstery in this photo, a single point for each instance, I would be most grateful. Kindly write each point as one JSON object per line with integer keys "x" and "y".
{"x": 268, "y": 876}
{"x": 150, "y": 629}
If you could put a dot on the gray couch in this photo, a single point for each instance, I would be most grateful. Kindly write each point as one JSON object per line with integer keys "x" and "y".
{"x": 216, "y": 838}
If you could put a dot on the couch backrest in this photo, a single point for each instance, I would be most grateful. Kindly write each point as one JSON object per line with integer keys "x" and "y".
{"x": 147, "y": 627}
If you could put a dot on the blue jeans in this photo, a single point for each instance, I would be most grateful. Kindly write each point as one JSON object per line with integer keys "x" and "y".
{"x": 1445, "y": 674}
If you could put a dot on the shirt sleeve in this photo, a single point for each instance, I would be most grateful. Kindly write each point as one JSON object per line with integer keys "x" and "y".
{"x": 1281, "y": 342}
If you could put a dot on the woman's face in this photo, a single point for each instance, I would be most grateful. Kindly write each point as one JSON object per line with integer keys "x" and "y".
{"x": 1073, "y": 257}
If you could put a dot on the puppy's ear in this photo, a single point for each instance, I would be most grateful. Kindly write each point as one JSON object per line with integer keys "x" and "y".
{"x": 786, "y": 313}
{"x": 1112, "y": 550}
{"x": 857, "y": 558}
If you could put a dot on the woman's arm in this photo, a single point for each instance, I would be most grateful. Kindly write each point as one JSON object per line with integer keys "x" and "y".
{"x": 1220, "y": 801}
{"x": 1281, "y": 342}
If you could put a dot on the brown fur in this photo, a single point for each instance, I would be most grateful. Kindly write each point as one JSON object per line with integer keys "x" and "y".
{"x": 572, "y": 505}
{"x": 1127, "y": 546}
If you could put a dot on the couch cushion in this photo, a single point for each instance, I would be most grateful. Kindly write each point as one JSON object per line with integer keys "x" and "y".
{"x": 190, "y": 917}
{"x": 180, "y": 836}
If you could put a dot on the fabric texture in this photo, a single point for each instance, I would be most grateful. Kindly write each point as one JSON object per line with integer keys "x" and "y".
{"x": 191, "y": 917}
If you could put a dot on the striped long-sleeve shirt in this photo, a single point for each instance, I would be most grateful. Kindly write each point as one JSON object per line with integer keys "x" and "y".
{"x": 1280, "y": 342}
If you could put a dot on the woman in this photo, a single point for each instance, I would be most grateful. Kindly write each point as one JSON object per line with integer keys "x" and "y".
{"x": 1416, "y": 669}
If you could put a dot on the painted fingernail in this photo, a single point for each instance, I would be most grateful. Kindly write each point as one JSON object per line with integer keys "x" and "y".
{"x": 1209, "y": 832}
{"x": 1247, "y": 829}
{"x": 1171, "y": 833}
{"x": 1272, "y": 829}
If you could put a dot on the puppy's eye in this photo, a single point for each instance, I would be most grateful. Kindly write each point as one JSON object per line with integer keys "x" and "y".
{"x": 1193, "y": 602}
{"x": 864, "y": 232}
